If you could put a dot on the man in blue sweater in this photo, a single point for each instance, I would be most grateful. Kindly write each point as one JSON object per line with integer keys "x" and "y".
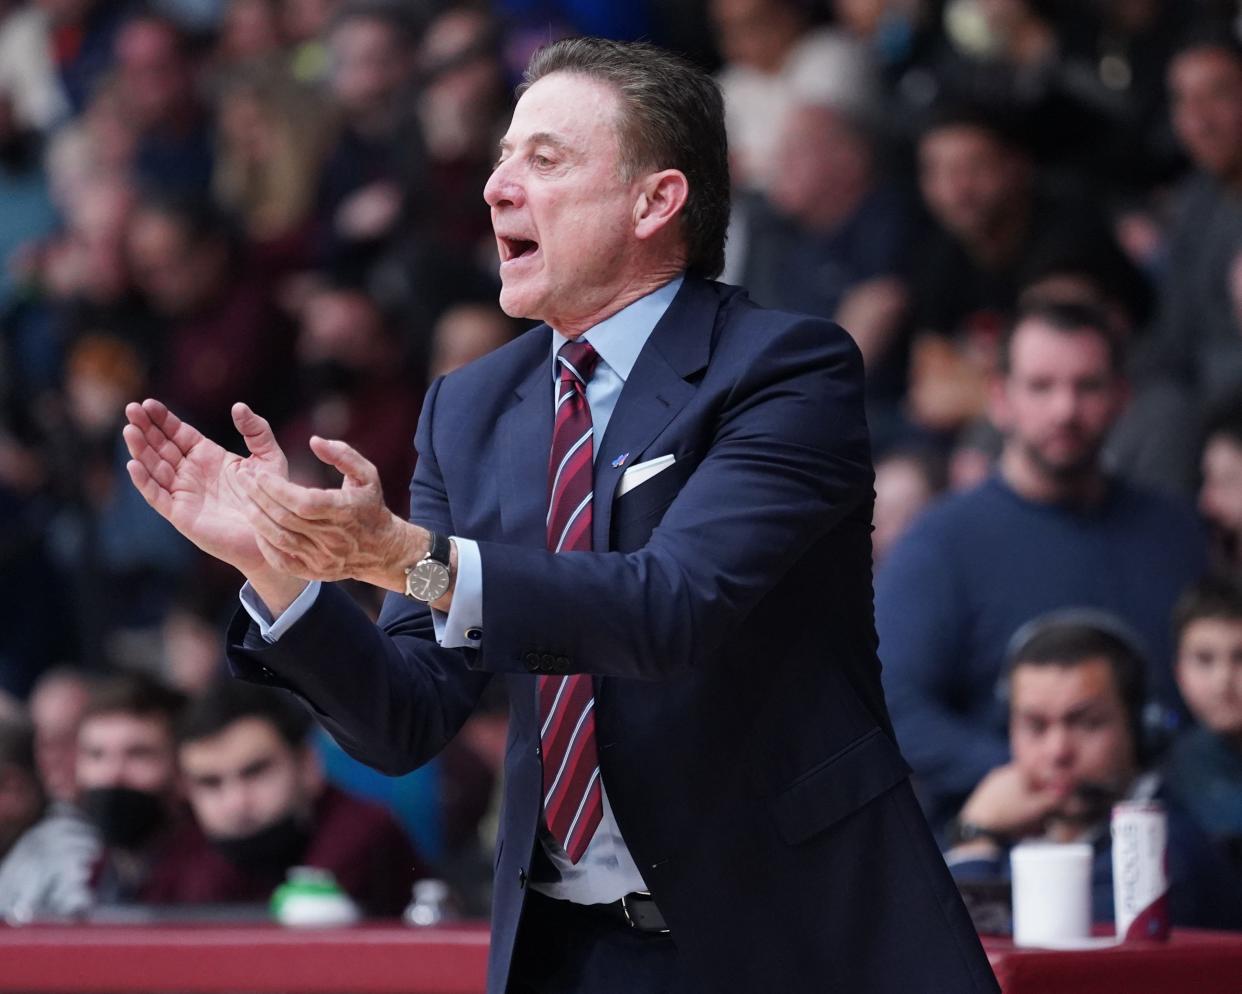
{"x": 1050, "y": 529}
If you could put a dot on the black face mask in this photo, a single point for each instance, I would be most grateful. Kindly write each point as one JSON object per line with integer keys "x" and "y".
{"x": 270, "y": 850}
{"x": 125, "y": 818}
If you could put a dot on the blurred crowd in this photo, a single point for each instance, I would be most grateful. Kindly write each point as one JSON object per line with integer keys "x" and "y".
{"x": 1028, "y": 213}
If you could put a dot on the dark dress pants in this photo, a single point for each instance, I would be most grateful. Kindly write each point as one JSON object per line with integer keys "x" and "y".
{"x": 565, "y": 948}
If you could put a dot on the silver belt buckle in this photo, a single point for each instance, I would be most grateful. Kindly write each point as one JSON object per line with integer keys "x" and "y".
{"x": 625, "y": 907}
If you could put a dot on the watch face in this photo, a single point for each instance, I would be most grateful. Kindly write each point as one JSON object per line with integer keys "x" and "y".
{"x": 427, "y": 580}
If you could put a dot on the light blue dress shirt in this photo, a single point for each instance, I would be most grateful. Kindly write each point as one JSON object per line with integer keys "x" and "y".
{"x": 606, "y": 871}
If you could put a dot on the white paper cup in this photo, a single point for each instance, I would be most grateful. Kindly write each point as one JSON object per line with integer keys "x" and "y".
{"x": 1051, "y": 892}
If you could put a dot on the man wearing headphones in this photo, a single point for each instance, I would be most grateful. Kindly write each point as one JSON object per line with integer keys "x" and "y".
{"x": 1076, "y": 694}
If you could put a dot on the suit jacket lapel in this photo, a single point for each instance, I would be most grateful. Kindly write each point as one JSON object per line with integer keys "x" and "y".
{"x": 654, "y": 393}
{"x": 525, "y": 435}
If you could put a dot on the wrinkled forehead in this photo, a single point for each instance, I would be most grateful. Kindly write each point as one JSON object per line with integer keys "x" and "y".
{"x": 578, "y": 111}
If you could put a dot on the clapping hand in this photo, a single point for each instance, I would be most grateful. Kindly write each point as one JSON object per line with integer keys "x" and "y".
{"x": 194, "y": 483}
{"x": 331, "y": 534}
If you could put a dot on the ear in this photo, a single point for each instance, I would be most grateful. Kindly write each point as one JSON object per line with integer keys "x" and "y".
{"x": 661, "y": 197}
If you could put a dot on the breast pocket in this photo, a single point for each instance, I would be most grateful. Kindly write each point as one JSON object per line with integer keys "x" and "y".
{"x": 636, "y": 513}
{"x": 839, "y": 786}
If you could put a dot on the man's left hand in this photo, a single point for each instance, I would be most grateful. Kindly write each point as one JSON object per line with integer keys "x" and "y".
{"x": 333, "y": 534}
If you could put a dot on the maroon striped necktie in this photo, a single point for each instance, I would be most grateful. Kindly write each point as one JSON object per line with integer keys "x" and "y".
{"x": 572, "y": 800}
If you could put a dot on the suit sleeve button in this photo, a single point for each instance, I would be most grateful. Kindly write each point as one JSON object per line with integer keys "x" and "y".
{"x": 532, "y": 661}
{"x": 562, "y": 664}
{"x": 548, "y": 663}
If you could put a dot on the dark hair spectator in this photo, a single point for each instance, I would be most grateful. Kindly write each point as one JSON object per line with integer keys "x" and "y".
{"x": 261, "y": 805}
{"x": 1220, "y": 496}
{"x": 1204, "y": 765}
{"x": 1074, "y": 636}
{"x": 1049, "y": 528}
{"x": 1075, "y": 696}
{"x": 1069, "y": 319}
{"x": 127, "y": 779}
{"x": 137, "y": 695}
{"x": 228, "y": 701}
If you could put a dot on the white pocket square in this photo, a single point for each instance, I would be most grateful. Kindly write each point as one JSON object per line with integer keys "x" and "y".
{"x": 641, "y": 472}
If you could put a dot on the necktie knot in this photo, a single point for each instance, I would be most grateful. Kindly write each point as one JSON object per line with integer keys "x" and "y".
{"x": 577, "y": 360}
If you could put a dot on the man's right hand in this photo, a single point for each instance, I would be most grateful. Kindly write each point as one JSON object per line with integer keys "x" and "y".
{"x": 192, "y": 482}
{"x": 1006, "y": 803}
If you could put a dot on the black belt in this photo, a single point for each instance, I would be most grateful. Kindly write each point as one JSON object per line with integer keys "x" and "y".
{"x": 639, "y": 911}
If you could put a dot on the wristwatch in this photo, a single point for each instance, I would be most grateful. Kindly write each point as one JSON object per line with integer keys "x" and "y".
{"x": 959, "y": 832}
{"x": 428, "y": 579}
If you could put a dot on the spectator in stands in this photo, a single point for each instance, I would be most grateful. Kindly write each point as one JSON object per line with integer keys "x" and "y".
{"x": 1220, "y": 497}
{"x": 156, "y": 87}
{"x": 462, "y": 108}
{"x": 46, "y": 849}
{"x": 467, "y": 332}
{"x": 1049, "y": 529}
{"x": 261, "y": 806}
{"x": 1076, "y": 691}
{"x": 900, "y": 36}
{"x": 1204, "y": 766}
{"x": 57, "y": 703}
{"x": 120, "y": 560}
{"x": 1011, "y": 57}
{"x": 1155, "y": 441}
{"x": 28, "y": 76}
{"x": 271, "y": 137}
{"x": 191, "y": 634}
{"x": 28, "y": 209}
{"x": 377, "y": 157}
{"x": 906, "y": 482}
{"x": 1200, "y": 333}
{"x": 1126, "y": 46}
{"x": 354, "y": 384}
{"x": 127, "y": 781}
{"x": 250, "y": 34}
{"x": 223, "y": 339}
{"x": 1198, "y": 338}
{"x": 98, "y": 144}
{"x": 77, "y": 38}
{"x": 78, "y": 282}
{"x": 979, "y": 184}
{"x": 831, "y": 238}
{"x": 774, "y": 58}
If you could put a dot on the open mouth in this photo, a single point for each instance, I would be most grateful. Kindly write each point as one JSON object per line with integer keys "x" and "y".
{"x": 512, "y": 249}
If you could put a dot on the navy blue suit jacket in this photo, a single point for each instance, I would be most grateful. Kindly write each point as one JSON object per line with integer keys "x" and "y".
{"x": 727, "y": 621}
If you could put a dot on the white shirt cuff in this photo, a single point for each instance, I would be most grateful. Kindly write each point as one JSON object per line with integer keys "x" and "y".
{"x": 272, "y": 629}
{"x": 463, "y": 625}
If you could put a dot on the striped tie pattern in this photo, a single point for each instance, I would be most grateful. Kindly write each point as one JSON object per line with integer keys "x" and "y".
{"x": 572, "y": 800}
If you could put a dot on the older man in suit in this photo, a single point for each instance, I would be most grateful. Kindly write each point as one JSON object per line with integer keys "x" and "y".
{"x": 650, "y": 515}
